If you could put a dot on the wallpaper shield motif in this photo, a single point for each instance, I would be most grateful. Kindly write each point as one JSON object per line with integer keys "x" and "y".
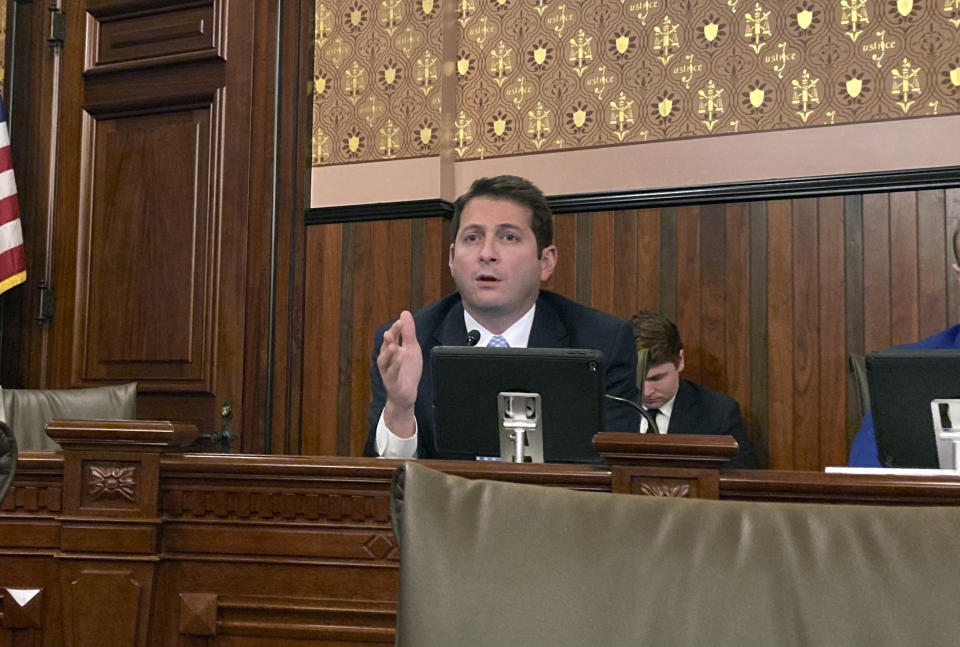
{"x": 552, "y": 75}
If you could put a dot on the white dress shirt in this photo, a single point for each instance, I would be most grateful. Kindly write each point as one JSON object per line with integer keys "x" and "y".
{"x": 663, "y": 417}
{"x": 517, "y": 335}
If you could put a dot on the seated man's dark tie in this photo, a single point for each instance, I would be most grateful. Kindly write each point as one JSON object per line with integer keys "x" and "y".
{"x": 653, "y": 429}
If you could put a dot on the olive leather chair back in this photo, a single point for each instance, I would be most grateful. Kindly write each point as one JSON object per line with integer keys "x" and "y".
{"x": 489, "y": 563}
{"x": 27, "y": 411}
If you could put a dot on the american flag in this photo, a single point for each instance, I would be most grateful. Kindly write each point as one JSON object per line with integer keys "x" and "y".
{"x": 13, "y": 262}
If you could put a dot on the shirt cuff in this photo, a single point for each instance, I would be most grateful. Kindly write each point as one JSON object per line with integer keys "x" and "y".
{"x": 391, "y": 446}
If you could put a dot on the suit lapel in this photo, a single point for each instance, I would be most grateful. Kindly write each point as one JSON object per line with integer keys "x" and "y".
{"x": 548, "y": 330}
{"x": 682, "y": 418}
{"x": 452, "y": 331}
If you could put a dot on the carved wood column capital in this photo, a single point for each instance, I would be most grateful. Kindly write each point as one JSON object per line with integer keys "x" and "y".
{"x": 664, "y": 465}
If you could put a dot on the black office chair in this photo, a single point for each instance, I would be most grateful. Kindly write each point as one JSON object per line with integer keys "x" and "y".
{"x": 8, "y": 458}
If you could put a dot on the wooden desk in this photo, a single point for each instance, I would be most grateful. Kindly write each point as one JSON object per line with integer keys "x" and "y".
{"x": 120, "y": 540}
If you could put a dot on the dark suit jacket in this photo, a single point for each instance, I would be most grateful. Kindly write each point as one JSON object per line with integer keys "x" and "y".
{"x": 557, "y": 323}
{"x": 699, "y": 410}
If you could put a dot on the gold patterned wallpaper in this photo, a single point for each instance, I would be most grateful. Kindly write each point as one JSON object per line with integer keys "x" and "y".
{"x": 551, "y": 75}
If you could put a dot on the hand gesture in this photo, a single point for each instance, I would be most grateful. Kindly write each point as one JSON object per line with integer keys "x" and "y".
{"x": 401, "y": 364}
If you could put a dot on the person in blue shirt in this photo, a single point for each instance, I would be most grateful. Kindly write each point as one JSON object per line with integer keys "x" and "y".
{"x": 863, "y": 450}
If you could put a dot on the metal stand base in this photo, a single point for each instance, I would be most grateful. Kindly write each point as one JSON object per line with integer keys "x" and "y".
{"x": 521, "y": 431}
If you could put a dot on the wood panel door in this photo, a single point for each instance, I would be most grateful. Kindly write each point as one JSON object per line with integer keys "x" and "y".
{"x": 152, "y": 212}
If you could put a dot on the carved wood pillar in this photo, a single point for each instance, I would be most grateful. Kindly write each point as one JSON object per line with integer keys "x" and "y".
{"x": 681, "y": 465}
{"x": 109, "y": 527}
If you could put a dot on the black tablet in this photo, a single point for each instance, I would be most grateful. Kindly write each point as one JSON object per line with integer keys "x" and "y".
{"x": 902, "y": 384}
{"x": 468, "y": 380}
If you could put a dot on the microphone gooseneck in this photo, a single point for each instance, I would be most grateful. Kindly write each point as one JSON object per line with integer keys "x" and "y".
{"x": 643, "y": 412}
{"x": 473, "y": 337}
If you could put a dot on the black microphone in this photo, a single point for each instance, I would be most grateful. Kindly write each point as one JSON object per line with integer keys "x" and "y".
{"x": 473, "y": 337}
{"x": 643, "y": 412}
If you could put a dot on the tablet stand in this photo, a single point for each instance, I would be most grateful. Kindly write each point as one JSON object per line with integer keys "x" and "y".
{"x": 946, "y": 428}
{"x": 521, "y": 432}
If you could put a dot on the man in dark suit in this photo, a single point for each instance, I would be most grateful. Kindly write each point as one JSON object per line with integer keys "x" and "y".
{"x": 680, "y": 406}
{"x": 502, "y": 250}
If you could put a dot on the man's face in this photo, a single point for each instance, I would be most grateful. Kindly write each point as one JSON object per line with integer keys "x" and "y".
{"x": 662, "y": 383}
{"x": 494, "y": 261}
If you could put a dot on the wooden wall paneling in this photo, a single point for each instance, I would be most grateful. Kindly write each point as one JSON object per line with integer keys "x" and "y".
{"x": 806, "y": 334}
{"x": 298, "y": 604}
{"x": 564, "y": 279}
{"x": 418, "y": 262}
{"x": 584, "y": 258}
{"x": 713, "y": 295}
{"x": 322, "y": 361}
{"x": 362, "y": 321}
{"x": 831, "y": 329}
{"x": 437, "y": 281}
{"x": 736, "y": 306}
{"x": 279, "y": 187}
{"x": 187, "y": 31}
{"x": 904, "y": 306}
{"x": 876, "y": 272}
{"x": 689, "y": 281}
{"x": 265, "y": 280}
{"x": 400, "y": 267}
{"x": 603, "y": 289}
{"x": 150, "y": 246}
{"x": 933, "y": 265}
{"x": 648, "y": 260}
{"x": 757, "y": 417}
{"x": 952, "y": 209}
{"x": 382, "y": 268}
{"x": 780, "y": 368}
{"x": 668, "y": 263}
{"x": 155, "y": 158}
{"x": 624, "y": 265}
{"x": 358, "y": 276}
{"x": 345, "y": 328}
{"x": 106, "y": 603}
{"x": 952, "y": 221}
{"x": 853, "y": 289}
{"x": 378, "y": 275}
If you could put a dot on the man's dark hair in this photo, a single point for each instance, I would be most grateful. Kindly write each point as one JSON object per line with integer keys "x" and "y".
{"x": 518, "y": 190}
{"x": 659, "y": 335}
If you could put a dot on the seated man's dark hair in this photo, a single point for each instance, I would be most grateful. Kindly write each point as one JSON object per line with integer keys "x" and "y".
{"x": 659, "y": 335}
{"x": 518, "y": 190}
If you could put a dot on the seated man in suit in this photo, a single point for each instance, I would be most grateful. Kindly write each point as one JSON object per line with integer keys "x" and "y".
{"x": 863, "y": 450}
{"x": 502, "y": 250}
{"x": 680, "y": 406}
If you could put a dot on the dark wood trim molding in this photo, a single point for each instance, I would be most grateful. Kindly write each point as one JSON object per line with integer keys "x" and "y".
{"x": 856, "y": 183}
{"x": 880, "y": 182}
{"x": 379, "y": 211}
